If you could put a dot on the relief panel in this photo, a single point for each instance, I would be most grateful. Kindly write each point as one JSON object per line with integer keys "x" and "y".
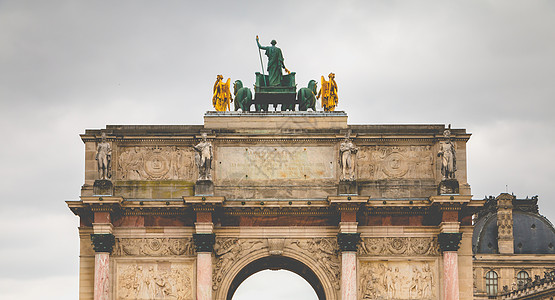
{"x": 154, "y": 280}
{"x": 267, "y": 163}
{"x": 156, "y": 163}
{"x": 398, "y": 280}
{"x": 384, "y": 162}
{"x": 399, "y": 246}
{"x": 153, "y": 247}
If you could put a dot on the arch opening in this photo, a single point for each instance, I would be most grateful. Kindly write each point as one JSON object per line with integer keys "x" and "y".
{"x": 277, "y": 263}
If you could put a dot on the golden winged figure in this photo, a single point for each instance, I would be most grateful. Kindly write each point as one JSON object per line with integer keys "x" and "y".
{"x": 328, "y": 92}
{"x": 222, "y": 94}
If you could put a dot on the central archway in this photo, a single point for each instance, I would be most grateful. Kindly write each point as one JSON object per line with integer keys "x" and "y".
{"x": 277, "y": 263}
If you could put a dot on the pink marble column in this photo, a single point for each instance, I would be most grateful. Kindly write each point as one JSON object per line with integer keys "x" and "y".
{"x": 101, "y": 276}
{"x": 450, "y": 275}
{"x": 204, "y": 276}
{"x": 348, "y": 275}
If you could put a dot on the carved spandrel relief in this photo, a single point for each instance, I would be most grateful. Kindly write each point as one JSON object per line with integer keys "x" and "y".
{"x": 398, "y": 280}
{"x": 325, "y": 252}
{"x": 228, "y": 251}
{"x": 154, "y": 281}
{"x": 409, "y": 246}
{"x": 153, "y": 247}
{"x": 156, "y": 163}
{"x": 383, "y": 162}
{"x": 267, "y": 163}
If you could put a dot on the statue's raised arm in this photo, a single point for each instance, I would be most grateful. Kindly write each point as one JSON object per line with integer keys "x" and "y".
{"x": 260, "y": 46}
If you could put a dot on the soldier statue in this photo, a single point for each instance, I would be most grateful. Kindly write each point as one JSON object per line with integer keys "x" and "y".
{"x": 203, "y": 158}
{"x": 347, "y": 152}
{"x": 448, "y": 156}
{"x": 104, "y": 158}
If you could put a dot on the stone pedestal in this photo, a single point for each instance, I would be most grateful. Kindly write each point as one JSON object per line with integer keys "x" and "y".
{"x": 103, "y": 187}
{"x": 449, "y": 186}
{"x": 204, "y": 188}
{"x": 347, "y": 187}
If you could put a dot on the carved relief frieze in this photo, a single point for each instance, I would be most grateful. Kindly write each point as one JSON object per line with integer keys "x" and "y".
{"x": 141, "y": 281}
{"x": 384, "y": 162}
{"x": 324, "y": 252}
{"x": 228, "y": 251}
{"x": 153, "y": 247}
{"x": 156, "y": 163}
{"x": 400, "y": 280}
{"x": 399, "y": 246}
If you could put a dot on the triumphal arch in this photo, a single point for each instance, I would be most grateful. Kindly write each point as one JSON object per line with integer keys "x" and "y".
{"x": 359, "y": 211}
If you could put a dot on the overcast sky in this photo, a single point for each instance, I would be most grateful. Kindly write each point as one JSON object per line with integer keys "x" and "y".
{"x": 487, "y": 66}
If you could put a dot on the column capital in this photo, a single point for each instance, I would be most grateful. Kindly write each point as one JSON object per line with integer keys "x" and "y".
{"x": 204, "y": 242}
{"x": 449, "y": 241}
{"x": 348, "y": 241}
{"x": 103, "y": 242}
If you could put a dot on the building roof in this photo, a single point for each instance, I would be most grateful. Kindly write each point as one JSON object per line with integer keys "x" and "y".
{"x": 532, "y": 232}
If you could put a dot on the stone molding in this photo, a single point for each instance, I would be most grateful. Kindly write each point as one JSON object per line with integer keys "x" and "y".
{"x": 153, "y": 247}
{"x": 204, "y": 242}
{"x": 399, "y": 246}
{"x": 449, "y": 241}
{"x": 103, "y": 242}
{"x": 348, "y": 241}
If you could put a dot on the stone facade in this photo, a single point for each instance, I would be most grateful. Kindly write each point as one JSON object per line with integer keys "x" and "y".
{"x": 275, "y": 201}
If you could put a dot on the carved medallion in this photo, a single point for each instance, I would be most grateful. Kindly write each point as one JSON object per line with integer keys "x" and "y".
{"x": 395, "y": 165}
{"x": 383, "y": 162}
{"x": 156, "y": 164}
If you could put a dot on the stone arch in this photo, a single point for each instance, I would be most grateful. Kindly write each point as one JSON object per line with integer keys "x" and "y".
{"x": 291, "y": 259}
{"x": 277, "y": 262}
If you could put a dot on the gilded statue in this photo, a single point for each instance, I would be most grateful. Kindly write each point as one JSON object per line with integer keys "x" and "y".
{"x": 448, "y": 156}
{"x": 275, "y": 62}
{"x": 104, "y": 159}
{"x": 328, "y": 92}
{"x": 222, "y": 94}
{"x": 203, "y": 158}
{"x": 347, "y": 152}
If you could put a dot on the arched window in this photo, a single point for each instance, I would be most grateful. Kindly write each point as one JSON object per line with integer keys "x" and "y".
{"x": 521, "y": 277}
{"x": 491, "y": 283}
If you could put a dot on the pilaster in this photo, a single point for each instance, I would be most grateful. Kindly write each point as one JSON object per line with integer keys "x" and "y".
{"x": 505, "y": 224}
{"x": 204, "y": 240}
